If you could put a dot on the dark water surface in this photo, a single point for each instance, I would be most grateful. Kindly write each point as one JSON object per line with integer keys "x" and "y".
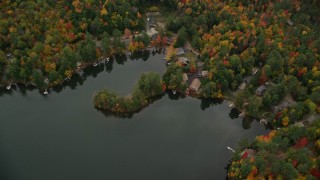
{"x": 62, "y": 137}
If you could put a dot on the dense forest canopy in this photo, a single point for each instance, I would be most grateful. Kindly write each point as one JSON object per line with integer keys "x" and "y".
{"x": 265, "y": 50}
{"x": 44, "y": 42}
{"x": 278, "y": 38}
{"x": 288, "y": 153}
{"x": 46, "y": 39}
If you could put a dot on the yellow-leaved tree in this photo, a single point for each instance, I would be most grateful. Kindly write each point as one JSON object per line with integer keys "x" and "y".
{"x": 171, "y": 52}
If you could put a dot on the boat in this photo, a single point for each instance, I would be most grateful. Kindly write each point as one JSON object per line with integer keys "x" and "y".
{"x": 95, "y": 64}
{"x": 174, "y": 92}
{"x": 231, "y": 149}
{"x": 108, "y": 59}
{"x": 8, "y": 87}
{"x": 231, "y": 105}
{"x": 242, "y": 115}
{"x": 46, "y": 92}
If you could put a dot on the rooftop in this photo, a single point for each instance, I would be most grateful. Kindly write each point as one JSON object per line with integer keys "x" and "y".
{"x": 180, "y": 51}
{"x": 204, "y": 73}
{"x": 261, "y": 90}
{"x": 183, "y": 60}
{"x": 242, "y": 86}
{"x": 255, "y": 70}
{"x": 195, "y": 85}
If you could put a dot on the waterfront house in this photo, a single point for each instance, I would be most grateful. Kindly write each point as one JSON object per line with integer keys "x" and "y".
{"x": 247, "y": 153}
{"x": 195, "y": 84}
{"x": 180, "y": 51}
{"x": 184, "y": 60}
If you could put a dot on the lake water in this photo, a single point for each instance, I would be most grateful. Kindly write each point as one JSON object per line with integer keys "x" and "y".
{"x": 63, "y": 137}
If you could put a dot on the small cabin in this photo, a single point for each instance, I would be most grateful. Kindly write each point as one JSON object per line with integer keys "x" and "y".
{"x": 204, "y": 73}
{"x": 261, "y": 90}
{"x": 247, "y": 153}
{"x": 126, "y": 42}
{"x": 283, "y": 104}
{"x": 254, "y": 71}
{"x": 183, "y": 60}
{"x": 180, "y": 51}
{"x": 9, "y": 56}
{"x": 195, "y": 84}
{"x": 242, "y": 86}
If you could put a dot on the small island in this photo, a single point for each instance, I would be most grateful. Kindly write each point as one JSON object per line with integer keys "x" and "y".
{"x": 147, "y": 89}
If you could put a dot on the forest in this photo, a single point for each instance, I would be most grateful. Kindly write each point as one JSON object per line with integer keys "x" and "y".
{"x": 289, "y": 153}
{"x": 44, "y": 42}
{"x": 267, "y": 52}
{"x": 262, "y": 55}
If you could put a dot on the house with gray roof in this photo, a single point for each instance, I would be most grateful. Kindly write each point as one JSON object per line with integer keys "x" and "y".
{"x": 180, "y": 51}
{"x": 261, "y": 90}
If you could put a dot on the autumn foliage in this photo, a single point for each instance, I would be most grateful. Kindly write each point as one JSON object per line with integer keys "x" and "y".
{"x": 280, "y": 154}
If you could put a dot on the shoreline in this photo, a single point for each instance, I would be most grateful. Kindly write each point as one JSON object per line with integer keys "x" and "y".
{"x": 102, "y": 59}
{"x": 81, "y": 68}
{"x": 84, "y": 66}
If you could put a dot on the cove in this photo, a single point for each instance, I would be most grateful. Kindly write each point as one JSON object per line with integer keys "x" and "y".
{"x": 62, "y": 136}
